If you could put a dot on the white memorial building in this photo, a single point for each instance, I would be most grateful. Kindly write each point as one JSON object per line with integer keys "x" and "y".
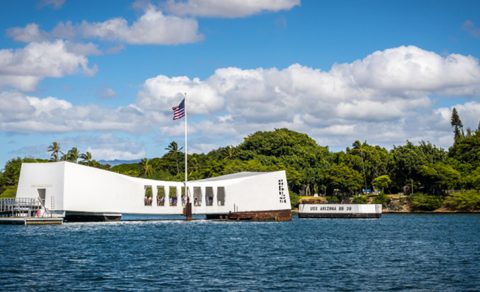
{"x": 81, "y": 193}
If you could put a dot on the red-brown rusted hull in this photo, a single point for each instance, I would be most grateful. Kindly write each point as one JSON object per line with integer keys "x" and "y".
{"x": 275, "y": 215}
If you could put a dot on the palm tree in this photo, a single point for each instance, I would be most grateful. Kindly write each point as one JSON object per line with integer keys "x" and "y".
{"x": 86, "y": 157}
{"x": 73, "y": 154}
{"x": 147, "y": 169}
{"x": 194, "y": 164}
{"x": 55, "y": 149}
{"x": 229, "y": 152}
{"x": 174, "y": 150}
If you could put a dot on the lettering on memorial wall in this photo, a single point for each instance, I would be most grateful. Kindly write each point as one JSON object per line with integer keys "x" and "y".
{"x": 330, "y": 208}
{"x": 281, "y": 191}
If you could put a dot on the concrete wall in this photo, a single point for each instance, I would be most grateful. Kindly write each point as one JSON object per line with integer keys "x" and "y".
{"x": 74, "y": 187}
{"x": 259, "y": 192}
{"x": 48, "y": 176}
{"x": 340, "y": 208}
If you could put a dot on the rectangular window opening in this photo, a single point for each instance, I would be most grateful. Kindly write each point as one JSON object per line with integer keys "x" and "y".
{"x": 184, "y": 198}
{"x": 221, "y": 196}
{"x": 147, "y": 199}
{"x": 172, "y": 194}
{"x": 160, "y": 196}
{"x": 42, "y": 196}
{"x": 209, "y": 196}
{"x": 197, "y": 196}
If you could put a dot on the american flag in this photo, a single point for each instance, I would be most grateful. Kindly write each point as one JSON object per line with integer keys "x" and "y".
{"x": 179, "y": 110}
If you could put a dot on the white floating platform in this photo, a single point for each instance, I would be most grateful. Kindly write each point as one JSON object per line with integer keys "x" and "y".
{"x": 339, "y": 210}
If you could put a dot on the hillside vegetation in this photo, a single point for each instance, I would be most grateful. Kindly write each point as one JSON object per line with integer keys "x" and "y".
{"x": 437, "y": 178}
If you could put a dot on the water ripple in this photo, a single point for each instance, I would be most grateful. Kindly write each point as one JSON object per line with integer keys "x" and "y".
{"x": 397, "y": 252}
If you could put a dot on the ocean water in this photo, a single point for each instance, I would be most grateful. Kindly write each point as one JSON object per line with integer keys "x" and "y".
{"x": 396, "y": 252}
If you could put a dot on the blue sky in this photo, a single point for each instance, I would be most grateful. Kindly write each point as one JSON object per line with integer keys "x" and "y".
{"x": 103, "y": 75}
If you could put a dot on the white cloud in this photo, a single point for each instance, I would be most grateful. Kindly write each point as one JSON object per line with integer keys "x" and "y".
{"x": 141, "y": 4}
{"x": 228, "y": 8}
{"x": 203, "y": 148}
{"x": 376, "y": 110}
{"x": 49, "y": 104}
{"x": 153, "y": 27}
{"x": 409, "y": 68}
{"x": 24, "y": 68}
{"x": 470, "y": 27}
{"x": 162, "y": 92}
{"x": 111, "y": 147}
{"x": 14, "y": 107}
{"x": 110, "y": 153}
{"x": 385, "y": 98}
{"x": 83, "y": 49}
{"x": 64, "y": 30}
{"x": 30, "y": 33}
{"x": 29, "y": 114}
{"x": 108, "y": 93}
{"x": 56, "y": 4}
{"x": 101, "y": 146}
{"x": 469, "y": 113}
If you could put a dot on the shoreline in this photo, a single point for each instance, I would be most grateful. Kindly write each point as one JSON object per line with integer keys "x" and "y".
{"x": 295, "y": 211}
{"x": 430, "y": 212}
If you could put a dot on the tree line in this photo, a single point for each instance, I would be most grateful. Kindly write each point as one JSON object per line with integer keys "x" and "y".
{"x": 421, "y": 169}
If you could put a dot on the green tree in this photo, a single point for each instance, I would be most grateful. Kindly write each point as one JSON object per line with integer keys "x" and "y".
{"x": 346, "y": 180}
{"x": 146, "y": 167}
{"x": 382, "y": 199}
{"x": 472, "y": 179}
{"x": 72, "y": 155}
{"x": 11, "y": 174}
{"x": 467, "y": 150}
{"x": 370, "y": 161}
{"x": 174, "y": 151}
{"x": 456, "y": 124}
{"x": 359, "y": 199}
{"x": 131, "y": 169}
{"x": 86, "y": 157}
{"x": 463, "y": 201}
{"x": 406, "y": 160}
{"x": 55, "y": 149}
{"x": 229, "y": 152}
{"x": 382, "y": 182}
{"x": 285, "y": 149}
{"x": 438, "y": 177}
{"x": 424, "y": 202}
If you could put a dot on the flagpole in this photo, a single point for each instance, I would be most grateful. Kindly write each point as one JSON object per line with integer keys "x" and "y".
{"x": 188, "y": 203}
{"x": 186, "y": 143}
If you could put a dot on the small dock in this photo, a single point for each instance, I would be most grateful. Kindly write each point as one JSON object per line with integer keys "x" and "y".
{"x": 30, "y": 221}
{"x": 25, "y": 211}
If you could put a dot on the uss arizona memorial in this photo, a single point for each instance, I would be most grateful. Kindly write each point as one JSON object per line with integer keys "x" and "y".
{"x": 81, "y": 193}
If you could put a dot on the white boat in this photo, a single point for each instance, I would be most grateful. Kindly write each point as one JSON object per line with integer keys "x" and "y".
{"x": 339, "y": 210}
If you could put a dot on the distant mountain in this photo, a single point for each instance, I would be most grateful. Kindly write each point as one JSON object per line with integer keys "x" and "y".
{"x": 118, "y": 161}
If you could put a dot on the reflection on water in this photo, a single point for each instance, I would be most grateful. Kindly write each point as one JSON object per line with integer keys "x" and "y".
{"x": 424, "y": 252}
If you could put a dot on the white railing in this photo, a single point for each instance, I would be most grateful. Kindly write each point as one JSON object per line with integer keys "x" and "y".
{"x": 25, "y": 207}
